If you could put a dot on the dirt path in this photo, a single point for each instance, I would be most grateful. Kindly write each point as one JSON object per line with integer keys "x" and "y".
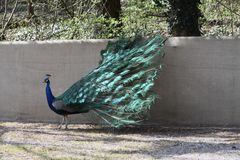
{"x": 44, "y": 141}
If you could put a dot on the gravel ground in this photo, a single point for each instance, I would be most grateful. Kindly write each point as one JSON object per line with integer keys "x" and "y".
{"x": 45, "y": 141}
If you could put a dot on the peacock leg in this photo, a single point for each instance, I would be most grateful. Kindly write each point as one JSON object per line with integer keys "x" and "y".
{"x": 66, "y": 122}
{"x": 63, "y": 120}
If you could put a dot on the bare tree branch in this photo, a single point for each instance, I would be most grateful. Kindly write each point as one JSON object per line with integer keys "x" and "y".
{"x": 227, "y": 7}
{"x": 57, "y": 9}
{"x": 9, "y": 19}
{"x": 5, "y": 12}
{"x": 162, "y": 15}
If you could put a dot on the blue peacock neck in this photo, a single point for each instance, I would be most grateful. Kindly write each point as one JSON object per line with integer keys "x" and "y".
{"x": 50, "y": 97}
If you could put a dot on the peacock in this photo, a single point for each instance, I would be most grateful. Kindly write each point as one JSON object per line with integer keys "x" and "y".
{"x": 119, "y": 89}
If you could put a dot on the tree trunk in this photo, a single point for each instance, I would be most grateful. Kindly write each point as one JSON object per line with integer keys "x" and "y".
{"x": 184, "y": 18}
{"x": 1, "y": 5}
{"x": 111, "y": 8}
{"x": 68, "y": 7}
{"x": 30, "y": 8}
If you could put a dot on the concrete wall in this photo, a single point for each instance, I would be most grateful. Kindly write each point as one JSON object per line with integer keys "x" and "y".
{"x": 200, "y": 83}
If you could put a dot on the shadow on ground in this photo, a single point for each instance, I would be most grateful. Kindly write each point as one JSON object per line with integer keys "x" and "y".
{"x": 44, "y": 141}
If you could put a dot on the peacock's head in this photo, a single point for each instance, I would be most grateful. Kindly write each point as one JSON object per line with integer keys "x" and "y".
{"x": 46, "y": 78}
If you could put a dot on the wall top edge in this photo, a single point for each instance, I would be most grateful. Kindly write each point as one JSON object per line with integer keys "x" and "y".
{"x": 106, "y": 40}
{"x": 56, "y": 41}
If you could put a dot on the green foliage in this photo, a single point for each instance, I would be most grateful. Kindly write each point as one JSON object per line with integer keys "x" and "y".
{"x": 221, "y": 18}
{"x": 53, "y": 20}
{"x": 139, "y": 16}
{"x": 136, "y": 17}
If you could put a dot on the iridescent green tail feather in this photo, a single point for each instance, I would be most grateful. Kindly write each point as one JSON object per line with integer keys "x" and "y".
{"x": 119, "y": 89}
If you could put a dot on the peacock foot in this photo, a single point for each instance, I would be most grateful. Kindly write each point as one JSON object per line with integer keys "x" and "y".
{"x": 64, "y": 120}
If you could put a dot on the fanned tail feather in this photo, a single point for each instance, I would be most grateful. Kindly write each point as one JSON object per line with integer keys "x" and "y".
{"x": 133, "y": 66}
{"x": 119, "y": 89}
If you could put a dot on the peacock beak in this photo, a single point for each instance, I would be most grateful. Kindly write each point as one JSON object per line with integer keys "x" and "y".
{"x": 45, "y": 81}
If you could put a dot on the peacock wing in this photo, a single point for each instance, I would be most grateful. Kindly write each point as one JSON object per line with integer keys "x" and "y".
{"x": 119, "y": 89}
